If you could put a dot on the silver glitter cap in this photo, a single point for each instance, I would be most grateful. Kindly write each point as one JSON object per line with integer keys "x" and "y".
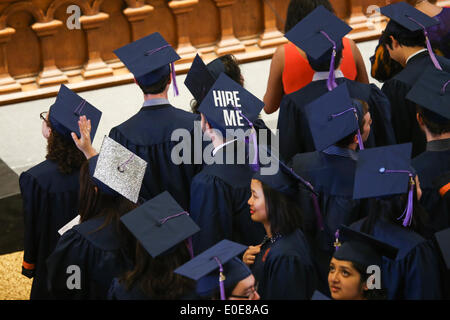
{"x": 120, "y": 169}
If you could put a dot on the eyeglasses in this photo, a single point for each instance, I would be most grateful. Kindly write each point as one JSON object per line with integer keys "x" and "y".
{"x": 251, "y": 296}
{"x": 43, "y": 116}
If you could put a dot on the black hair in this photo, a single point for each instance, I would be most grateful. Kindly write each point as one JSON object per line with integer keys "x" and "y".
{"x": 391, "y": 208}
{"x": 232, "y": 70}
{"x": 155, "y": 276}
{"x": 370, "y": 294}
{"x": 322, "y": 64}
{"x": 64, "y": 152}
{"x": 404, "y": 37}
{"x": 93, "y": 203}
{"x": 299, "y": 9}
{"x": 283, "y": 213}
{"x": 157, "y": 87}
{"x": 383, "y": 66}
{"x": 435, "y": 127}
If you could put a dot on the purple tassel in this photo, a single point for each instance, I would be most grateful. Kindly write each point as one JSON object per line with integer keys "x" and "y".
{"x": 337, "y": 244}
{"x": 221, "y": 279}
{"x": 358, "y": 134}
{"x": 360, "y": 141}
{"x": 174, "y": 78}
{"x": 121, "y": 167}
{"x": 409, "y": 209}
{"x": 80, "y": 108}
{"x": 255, "y": 163}
{"x": 445, "y": 87}
{"x": 429, "y": 48}
{"x": 162, "y": 221}
{"x": 331, "y": 82}
{"x": 317, "y": 211}
{"x": 190, "y": 247}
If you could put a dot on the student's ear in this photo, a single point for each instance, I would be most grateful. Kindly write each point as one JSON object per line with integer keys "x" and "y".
{"x": 395, "y": 43}
{"x": 419, "y": 119}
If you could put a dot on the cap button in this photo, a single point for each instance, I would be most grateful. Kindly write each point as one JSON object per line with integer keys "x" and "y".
{"x": 382, "y": 170}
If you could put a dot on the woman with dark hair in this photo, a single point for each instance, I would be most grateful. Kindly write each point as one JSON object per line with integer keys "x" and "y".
{"x": 89, "y": 255}
{"x": 50, "y": 189}
{"x": 281, "y": 264}
{"x": 290, "y": 70}
{"x": 158, "y": 225}
{"x": 354, "y": 261}
{"x": 395, "y": 217}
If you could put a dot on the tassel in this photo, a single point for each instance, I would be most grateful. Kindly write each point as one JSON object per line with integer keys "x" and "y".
{"x": 174, "y": 78}
{"x": 409, "y": 208}
{"x": 331, "y": 82}
{"x": 221, "y": 279}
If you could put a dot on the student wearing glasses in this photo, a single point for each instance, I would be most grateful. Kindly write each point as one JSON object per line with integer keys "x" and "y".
{"x": 50, "y": 189}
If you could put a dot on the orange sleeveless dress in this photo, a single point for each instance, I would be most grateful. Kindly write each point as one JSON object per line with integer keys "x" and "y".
{"x": 298, "y": 73}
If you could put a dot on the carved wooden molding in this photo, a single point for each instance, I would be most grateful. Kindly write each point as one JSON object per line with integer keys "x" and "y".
{"x": 135, "y": 17}
{"x": 228, "y": 42}
{"x": 181, "y": 9}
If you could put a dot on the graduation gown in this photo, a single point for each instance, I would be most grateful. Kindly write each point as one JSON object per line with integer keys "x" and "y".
{"x": 430, "y": 166}
{"x": 415, "y": 273}
{"x": 294, "y": 133}
{"x": 219, "y": 196}
{"x": 404, "y": 111}
{"x": 148, "y": 135}
{"x": 117, "y": 291}
{"x": 99, "y": 255}
{"x": 331, "y": 172}
{"x": 50, "y": 201}
{"x": 284, "y": 269}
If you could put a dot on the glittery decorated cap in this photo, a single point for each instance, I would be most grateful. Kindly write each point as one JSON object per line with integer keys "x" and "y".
{"x": 119, "y": 169}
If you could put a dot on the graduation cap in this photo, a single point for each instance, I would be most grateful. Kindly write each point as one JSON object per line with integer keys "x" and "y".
{"x": 317, "y": 33}
{"x": 432, "y": 92}
{"x": 286, "y": 181}
{"x": 215, "y": 68}
{"x": 67, "y": 110}
{"x": 362, "y": 248}
{"x": 199, "y": 80}
{"x": 229, "y": 106}
{"x": 160, "y": 224}
{"x": 413, "y": 20}
{"x": 386, "y": 171}
{"x": 213, "y": 263}
{"x": 319, "y": 296}
{"x": 443, "y": 242}
{"x": 334, "y": 116}
{"x": 149, "y": 58}
{"x": 116, "y": 170}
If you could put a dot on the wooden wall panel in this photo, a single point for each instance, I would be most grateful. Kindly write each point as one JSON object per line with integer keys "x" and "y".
{"x": 23, "y": 51}
{"x": 116, "y": 30}
{"x": 248, "y": 18}
{"x": 71, "y": 46}
{"x": 281, "y": 7}
{"x": 162, "y": 20}
{"x": 205, "y": 28}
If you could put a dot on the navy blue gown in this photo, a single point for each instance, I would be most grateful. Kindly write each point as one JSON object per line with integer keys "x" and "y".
{"x": 219, "y": 196}
{"x": 118, "y": 291}
{"x": 295, "y": 135}
{"x": 430, "y": 166}
{"x": 404, "y": 111}
{"x": 415, "y": 274}
{"x": 148, "y": 135}
{"x": 50, "y": 201}
{"x": 332, "y": 174}
{"x": 284, "y": 269}
{"x": 99, "y": 254}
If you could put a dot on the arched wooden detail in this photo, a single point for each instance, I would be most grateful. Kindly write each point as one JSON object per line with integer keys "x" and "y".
{"x": 248, "y": 24}
{"x": 116, "y": 30}
{"x": 23, "y": 50}
{"x": 209, "y": 32}
{"x": 162, "y": 20}
{"x": 26, "y": 6}
{"x": 71, "y": 49}
{"x": 97, "y": 4}
{"x": 83, "y": 4}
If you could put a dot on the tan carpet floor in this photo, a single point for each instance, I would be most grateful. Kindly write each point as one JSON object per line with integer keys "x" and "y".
{"x": 13, "y": 285}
